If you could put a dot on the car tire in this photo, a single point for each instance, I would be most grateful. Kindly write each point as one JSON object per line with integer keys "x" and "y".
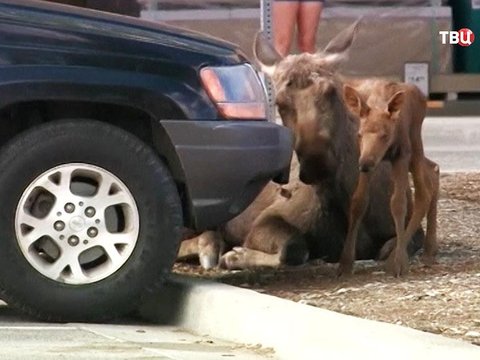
{"x": 90, "y": 221}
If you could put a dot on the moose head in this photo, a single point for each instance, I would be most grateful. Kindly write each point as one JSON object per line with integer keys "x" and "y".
{"x": 309, "y": 97}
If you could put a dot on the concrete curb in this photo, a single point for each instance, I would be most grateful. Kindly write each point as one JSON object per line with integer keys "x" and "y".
{"x": 293, "y": 330}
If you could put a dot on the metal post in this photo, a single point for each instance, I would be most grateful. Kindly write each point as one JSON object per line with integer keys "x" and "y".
{"x": 266, "y": 18}
{"x": 267, "y": 28}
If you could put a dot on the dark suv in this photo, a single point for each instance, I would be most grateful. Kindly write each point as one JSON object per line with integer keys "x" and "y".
{"x": 115, "y": 135}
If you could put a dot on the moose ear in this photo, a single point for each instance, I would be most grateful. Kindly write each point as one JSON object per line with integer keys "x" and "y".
{"x": 336, "y": 50}
{"x": 396, "y": 101}
{"x": 353, "y": 101}
{"x": 265, "y": 53}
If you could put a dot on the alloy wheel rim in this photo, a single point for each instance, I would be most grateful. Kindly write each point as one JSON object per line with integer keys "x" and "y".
{"x": 77, "y": 223}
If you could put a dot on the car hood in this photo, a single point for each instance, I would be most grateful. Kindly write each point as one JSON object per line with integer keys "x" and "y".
{"x": 84, "y": 28}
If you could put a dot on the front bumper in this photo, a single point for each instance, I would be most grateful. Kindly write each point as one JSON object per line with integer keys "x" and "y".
{"x": 227, "y": 163}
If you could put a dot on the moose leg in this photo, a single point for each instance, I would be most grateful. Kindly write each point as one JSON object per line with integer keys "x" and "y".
{"x": 188, "y": 249}
{"x": 208, "y": 246}
{"x": 418, "y": 238}
{"x": 430, "y": 246}
{"x": 397, "y": 262}
{"x": 358, "y": 206}
{"x": 266, "y": 245}
{"x": 244, "y": 258}
{"x": 422, "y": 201}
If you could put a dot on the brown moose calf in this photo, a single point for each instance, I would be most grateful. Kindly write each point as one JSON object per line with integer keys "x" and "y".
{"x": 391, "y": 116}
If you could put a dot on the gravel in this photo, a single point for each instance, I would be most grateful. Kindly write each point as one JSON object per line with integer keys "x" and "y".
{"x": 443, "y": 299}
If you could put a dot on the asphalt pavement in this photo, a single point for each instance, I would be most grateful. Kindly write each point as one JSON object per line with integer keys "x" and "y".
{"x": 22, "y": 338}
{"x": 453, "y": 142}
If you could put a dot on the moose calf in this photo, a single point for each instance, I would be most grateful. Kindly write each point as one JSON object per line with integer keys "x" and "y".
{"x": 391, "y": 116}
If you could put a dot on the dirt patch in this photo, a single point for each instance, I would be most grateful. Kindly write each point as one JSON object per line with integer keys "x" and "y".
{"x": 443, "y": 299}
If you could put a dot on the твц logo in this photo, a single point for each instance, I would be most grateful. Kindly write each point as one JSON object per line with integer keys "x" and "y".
{"x": 462, "y": 37}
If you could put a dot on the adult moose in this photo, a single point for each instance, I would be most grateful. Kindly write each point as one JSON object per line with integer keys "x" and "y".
{"x": 268, "y": 233}
{"x": 391, "y": 116}
{"x": 309, "y": 96}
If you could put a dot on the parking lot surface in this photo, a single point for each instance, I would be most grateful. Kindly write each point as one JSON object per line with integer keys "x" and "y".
{"x": 453, "y": 142}
{"x": 20, "y": 338}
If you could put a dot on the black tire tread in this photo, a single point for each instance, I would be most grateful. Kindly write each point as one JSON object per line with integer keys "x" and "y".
{"x": 151, "y": 160}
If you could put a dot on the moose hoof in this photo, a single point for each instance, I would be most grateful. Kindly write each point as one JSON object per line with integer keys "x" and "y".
{"x": 345, "y": 268}
{"x": 235, "y": 259}
{"x": 397, "y": 264}
{"x": 208, "y": 261}
{"x": 428, "y": 260}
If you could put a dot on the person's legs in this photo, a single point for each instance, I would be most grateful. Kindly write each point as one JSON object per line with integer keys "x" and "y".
{"x": 308, "y": 19}
{"x": 284, "y": 15}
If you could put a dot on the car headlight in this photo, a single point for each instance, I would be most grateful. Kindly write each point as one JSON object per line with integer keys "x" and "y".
{"x": 236, "y": 91}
